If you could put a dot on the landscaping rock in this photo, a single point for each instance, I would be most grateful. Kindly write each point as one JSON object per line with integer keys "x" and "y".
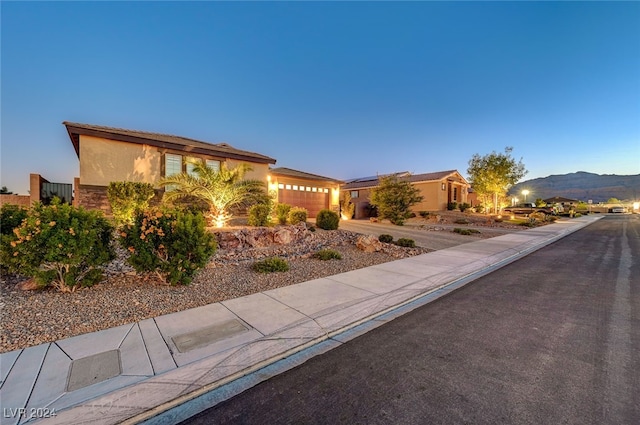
{"x": 369, "y": 243}
{"x": 28, "y": 285}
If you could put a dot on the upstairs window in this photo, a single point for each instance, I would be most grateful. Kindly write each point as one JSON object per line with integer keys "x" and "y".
{"x": 172, "y": 166}
{"x": 213, "y": 163}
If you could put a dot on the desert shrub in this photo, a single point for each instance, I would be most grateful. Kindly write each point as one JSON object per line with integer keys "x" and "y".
{"x": 174, "y": 244}
{"x": 311, "y": 228}
{"x": 327, "y": 254}
{"x": 452, "y": 206}
{"x": 464, "y": 206}
{"x": 385, "y": 238}
{"x": 59, "y": 245}
{"x": 259, "y": 215}
{"x": 465, "y": 231}
{"x": 424, "y": 214}
{"x": 461, "y": 221}
{"x": 578, "y": 215}
{"x": 406, "y": 243}
{"x": 393, "y": 198}
{"x": 538, "y": 216}
{"x": 282, "y": 211}
{"x": 126, "y": 198}
{"x": 297, "y": 215}
{"x": 11, "y": 216}
{"x": 327, "y": 220}
{"x": 270, "y": 265}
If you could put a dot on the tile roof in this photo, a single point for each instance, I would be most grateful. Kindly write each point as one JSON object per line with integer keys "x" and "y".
{"x": 289, "y": 172}
{"x": 161, "y": 140}
{"x": 413, "y": 178}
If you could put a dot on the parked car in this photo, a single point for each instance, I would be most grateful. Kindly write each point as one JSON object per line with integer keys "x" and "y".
{"x": 618, "y": 209}
{"x": 528, "y": 208}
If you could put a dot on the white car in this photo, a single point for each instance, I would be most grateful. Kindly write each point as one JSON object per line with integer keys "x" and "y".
{"x": 618, "y": 209}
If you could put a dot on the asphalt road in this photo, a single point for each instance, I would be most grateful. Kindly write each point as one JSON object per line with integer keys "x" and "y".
{"x": 432, "y": 239}
{"x": 553, "y": 338}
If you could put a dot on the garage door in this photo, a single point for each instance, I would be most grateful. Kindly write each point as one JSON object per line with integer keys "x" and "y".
{"x": 312, "y": 201}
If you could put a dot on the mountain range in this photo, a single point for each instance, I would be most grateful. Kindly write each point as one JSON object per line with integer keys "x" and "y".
{"x": 582, "y": 186}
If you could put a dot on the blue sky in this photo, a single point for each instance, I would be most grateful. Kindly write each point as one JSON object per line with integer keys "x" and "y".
{"x": 338, "y": 89}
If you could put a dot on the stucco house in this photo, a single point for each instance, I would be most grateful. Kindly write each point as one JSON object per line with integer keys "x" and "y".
{"x": 109, "y": 154}
{"x": 437, "y": 189}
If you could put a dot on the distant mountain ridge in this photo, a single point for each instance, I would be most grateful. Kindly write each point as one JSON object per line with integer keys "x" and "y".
{"x": 582, "y": 186}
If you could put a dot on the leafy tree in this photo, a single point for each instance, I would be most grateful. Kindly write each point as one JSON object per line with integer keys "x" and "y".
{"x": 5, "y": 191}
{"x": 221, "y": 189}
{"x": 613, "y": 201}
{"x": 394, "y": 198}
{"x": 493, "y": 174}
{"x": 348, "y": 207}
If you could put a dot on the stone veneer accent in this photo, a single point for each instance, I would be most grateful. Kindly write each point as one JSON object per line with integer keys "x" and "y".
{"x": 95, "y": 198}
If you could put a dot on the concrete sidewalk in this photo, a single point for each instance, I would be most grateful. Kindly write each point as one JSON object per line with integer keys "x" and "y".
{"x": 162, "y": 370}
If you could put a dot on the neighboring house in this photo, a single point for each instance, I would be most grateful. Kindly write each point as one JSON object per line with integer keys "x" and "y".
{"x": 438, "y": 189}
{"x": 109, "y": 154}
{"x": 305, "y": 190}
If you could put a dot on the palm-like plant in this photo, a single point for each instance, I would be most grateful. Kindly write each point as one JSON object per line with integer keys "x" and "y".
{"x": 221, "y": 189}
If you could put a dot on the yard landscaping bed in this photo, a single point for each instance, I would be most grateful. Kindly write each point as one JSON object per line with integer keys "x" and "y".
{"x": 34, "y": 317}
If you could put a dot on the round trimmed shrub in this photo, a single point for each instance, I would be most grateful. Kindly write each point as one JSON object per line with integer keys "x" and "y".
{"x": 298, "y": 215}
{"x": 270, "y": 265}
{"x": 327, "y": 220}
{"x": 385, "y": 238}
{"x": 327, "y": 254}
{"x": 282, "y": 212}
{"x": 406, "y": 243}
{"x": 259, "y": 215}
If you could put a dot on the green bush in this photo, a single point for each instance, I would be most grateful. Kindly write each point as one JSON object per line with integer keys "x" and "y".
{"x": 59, "y": 245}
{"x": 270, "y": 265}
{"x": 327, "y": 220}
{"x": 461, "y": 221}
{"x": 385, "y": 238}
{"x": 424, "y": 214}
{"x": 452, "y": 206}
{"x": 174, "y": 244}
{"x": 393, "y": 198}
{"x": 11, "y": 216}
{"x": 282, "y": 212}
{"x": 259, "y": 215}
{"x": 465, "y": 231}
{"x": 464, "y": 206}
{"x": 126, "y": 198}
{"x": 406, "y": 243}
{"x": 297, "y": 215}
{"x": 327, "y": 254}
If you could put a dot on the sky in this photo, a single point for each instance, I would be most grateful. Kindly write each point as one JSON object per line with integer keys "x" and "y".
{"x": 339, "y": 89}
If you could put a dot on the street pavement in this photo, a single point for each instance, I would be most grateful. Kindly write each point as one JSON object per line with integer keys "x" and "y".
{"x": 551, "y": 338}
{"x": 169, "y": 368}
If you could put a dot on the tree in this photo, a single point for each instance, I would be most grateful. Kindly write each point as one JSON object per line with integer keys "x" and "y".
{"x": 221, "y": 189}
{"x": 493, "y": 174}
{"x": 347, "y": 207}
{"x": 5, "y": 191}
{"x": 394, "y": 198}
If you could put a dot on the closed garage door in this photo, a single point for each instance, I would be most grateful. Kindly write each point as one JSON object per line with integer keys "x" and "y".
{"x": 312, "y": 201}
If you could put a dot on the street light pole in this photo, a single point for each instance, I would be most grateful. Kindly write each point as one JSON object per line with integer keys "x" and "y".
{"x": 525, "y": 193}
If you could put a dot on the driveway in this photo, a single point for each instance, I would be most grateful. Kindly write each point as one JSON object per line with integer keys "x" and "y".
{"x": 427, "y": 236}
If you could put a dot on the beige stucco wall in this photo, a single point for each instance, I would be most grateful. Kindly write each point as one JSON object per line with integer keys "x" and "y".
{"x": 434, "y": 198}
{"x": 258, "y": 171}
{"x": 103, "y": 161}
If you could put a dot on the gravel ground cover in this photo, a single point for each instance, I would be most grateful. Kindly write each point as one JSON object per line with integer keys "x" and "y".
{"x": 34, "y": 317}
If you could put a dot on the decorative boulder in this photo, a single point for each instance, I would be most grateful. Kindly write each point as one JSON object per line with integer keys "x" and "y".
{"x": 369, "y": 243}
{"x": 283, "y": 236}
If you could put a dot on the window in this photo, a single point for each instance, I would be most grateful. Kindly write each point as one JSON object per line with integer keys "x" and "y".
{"x": 288, "y": 187}
{"x": 295, "y": 187}
{"x": 213, "y": 163}
{"x": 314, "y": 189}
{"x": 326, "y": 190}
{"x": 308, "y": 189}
{"x": 280, "y": 185}
{"x": 172, "y": 165}
{"x": 190, "y": 168}
{"x": 354, "y": 194}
